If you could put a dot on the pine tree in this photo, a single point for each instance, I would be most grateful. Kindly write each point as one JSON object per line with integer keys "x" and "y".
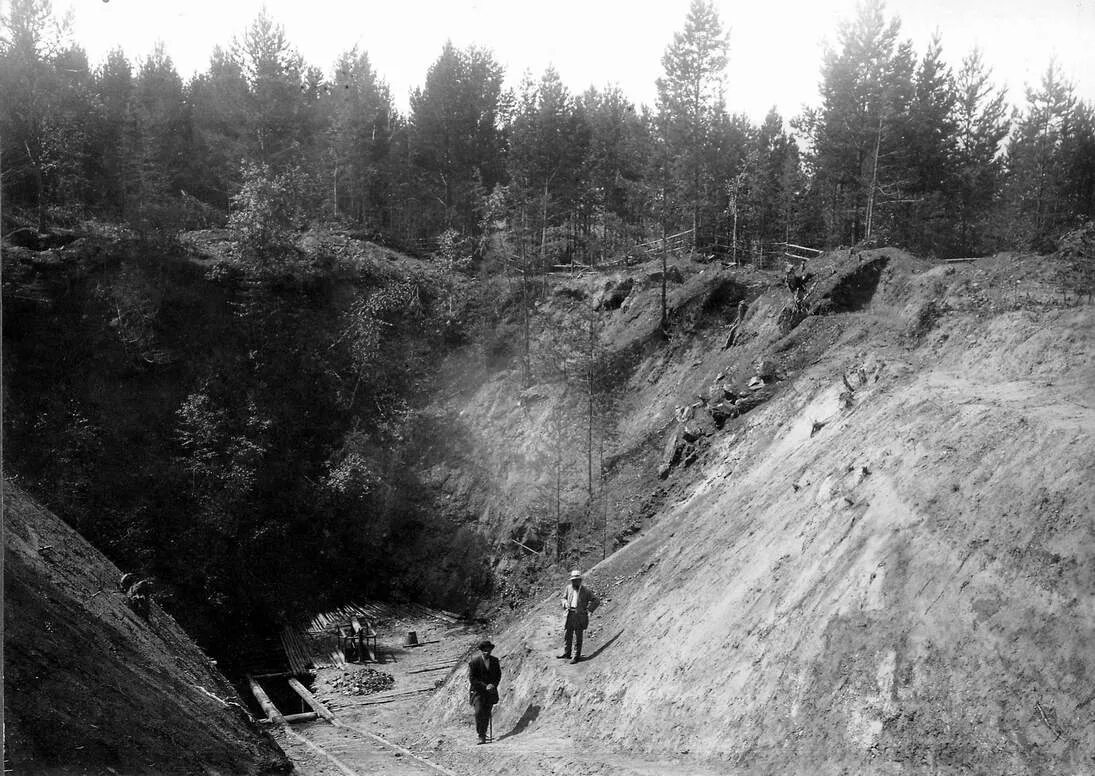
{"x": 27, "y": 88}
{"x": 981, "y": 124}
{"x": 158, "y": 144}
{"x": 359, "y": 140}
{"x": 690, "y": 102}
{"x": 456, "y": 138}
{"x": 548, "y": 144}
{"x": 70, "y": 126}
{"x": 866, "y": 89}
{"x": 112, "y": 174}
{"x": 278, "y": 108}
{"x": 1078, "y": 162}
{"x": 765, "y": 176}
{"x": 1036, "y": 165}
{"x": 619, "y": 147}
{"x": 922, "y": 219}
{"x": 218, "y": 101}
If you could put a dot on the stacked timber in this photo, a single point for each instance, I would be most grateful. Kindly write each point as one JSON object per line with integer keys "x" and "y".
{"x": 297, "y": 651}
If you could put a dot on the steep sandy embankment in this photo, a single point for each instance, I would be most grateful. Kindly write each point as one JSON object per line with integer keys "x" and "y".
{"x": 90, "y": 687}
{"x": 896, "y": 578}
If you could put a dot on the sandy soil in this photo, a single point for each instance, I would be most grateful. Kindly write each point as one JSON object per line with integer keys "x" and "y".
{"x": 895, "y": 579}
{"x": 519, "y": 746}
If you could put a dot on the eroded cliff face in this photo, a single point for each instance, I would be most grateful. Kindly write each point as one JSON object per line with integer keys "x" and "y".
{"x": 886, "y": 566}
{"x": 92, "y": 685}
{"x": 559, "y": 463}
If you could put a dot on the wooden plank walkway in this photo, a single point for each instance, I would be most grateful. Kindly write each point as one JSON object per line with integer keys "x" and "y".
{"x": 319, "y": 643}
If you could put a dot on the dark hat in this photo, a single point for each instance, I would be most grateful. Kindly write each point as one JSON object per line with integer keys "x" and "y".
{"x": 485, "y": 645}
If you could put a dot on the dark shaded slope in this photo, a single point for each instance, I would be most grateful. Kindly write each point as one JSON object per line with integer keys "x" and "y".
{"x": 91, "y": 687}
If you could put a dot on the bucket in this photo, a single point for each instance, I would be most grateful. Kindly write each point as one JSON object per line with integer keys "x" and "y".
{"x": 411, "y": 639}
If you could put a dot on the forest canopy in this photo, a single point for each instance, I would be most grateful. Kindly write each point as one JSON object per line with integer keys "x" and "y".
{"x": 901, "y": 149}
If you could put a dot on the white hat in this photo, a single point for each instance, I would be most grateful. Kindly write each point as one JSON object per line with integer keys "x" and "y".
{"x": 575, "y": 574}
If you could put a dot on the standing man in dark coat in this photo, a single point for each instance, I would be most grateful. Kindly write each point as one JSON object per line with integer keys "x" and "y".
{"x": 484, "y": 673}
{"x": 579, "y": 601}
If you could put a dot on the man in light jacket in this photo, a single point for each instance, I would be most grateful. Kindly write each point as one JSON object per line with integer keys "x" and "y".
{"x": 578, "y": 601}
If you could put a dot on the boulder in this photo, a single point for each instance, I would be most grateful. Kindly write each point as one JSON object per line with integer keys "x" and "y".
{"x": 723, "y": 411}
{"x": 672, "y": 275}
{"x": 614, "y": 293}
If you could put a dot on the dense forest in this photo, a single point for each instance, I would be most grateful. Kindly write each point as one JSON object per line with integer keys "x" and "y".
{"x": 902, "y": 149}
{"x": 217, "y": 416}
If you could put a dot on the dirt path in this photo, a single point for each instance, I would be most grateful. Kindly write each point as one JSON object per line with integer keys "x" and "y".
{"x": 386, "y": 733}
{"x": 321, "y": 749}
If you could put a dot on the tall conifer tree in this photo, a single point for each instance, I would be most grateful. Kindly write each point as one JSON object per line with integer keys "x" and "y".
{"x": 981, "y": 124}
{"x": 690, "y": 103}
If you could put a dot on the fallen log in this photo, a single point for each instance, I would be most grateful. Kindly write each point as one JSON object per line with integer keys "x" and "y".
{"x": 311, "y": 700}
{"x": 265, "y": 702}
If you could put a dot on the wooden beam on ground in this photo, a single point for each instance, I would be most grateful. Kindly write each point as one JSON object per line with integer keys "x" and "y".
{"x": 265, "y": 702}
{"x": 434, "y": 668}
{"x": 399, "y": 695}
{"x": 307, "y": 716}
{"x": 311, "y": 700}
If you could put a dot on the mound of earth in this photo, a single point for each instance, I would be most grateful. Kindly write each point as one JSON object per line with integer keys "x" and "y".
{"x": 887, "y": 566}
{"x": 93, "y": 687}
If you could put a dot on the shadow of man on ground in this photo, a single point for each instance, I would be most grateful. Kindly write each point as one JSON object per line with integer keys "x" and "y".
{"x": 603, "y": 647}
{"x": 530, "y": 715}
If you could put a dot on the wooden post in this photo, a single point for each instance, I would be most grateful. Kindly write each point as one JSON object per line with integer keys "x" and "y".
{"x": 265, "y": 702}
{"x": 311, "y": 700}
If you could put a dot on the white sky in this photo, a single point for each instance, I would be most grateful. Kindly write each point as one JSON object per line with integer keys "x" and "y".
{"x": 775, "y": 45}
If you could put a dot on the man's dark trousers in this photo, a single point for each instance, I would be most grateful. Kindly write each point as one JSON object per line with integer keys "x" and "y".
{"x": 572, "y": 633}
{"x": 483, "y": 706}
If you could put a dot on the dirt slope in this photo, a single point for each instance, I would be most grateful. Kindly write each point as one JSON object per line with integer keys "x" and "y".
{"x": 886, "y": 568}
{"x": 92, "y": 688}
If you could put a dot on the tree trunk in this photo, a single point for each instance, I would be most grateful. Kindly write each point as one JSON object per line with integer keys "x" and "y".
{"x": 734, "y": 238}
{"x": 665, "y": 271}
{"x": 526, "y": 357}
{"x": 589, "y": 397}
{"x": 604, "y": 501}
{"x": 543, "y": 227}
{"x": 874, "y": 182}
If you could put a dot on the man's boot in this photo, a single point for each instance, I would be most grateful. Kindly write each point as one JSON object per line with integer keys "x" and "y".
{"x": 577, "y": 658}
{"x": 564, "y": 656}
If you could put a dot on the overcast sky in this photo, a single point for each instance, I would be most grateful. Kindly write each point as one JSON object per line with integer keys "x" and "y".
{"x": 775, "y": 45}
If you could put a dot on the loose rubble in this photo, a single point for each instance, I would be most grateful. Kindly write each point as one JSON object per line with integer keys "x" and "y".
{"x": 363, "y": 682}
